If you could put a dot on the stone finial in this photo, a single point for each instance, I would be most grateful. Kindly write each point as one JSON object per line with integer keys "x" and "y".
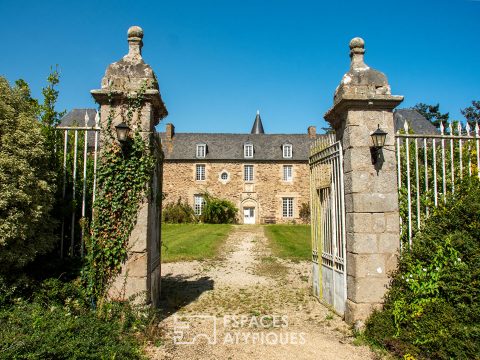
{"x": 131, "y": 72}
{"x": 361, "y": 80}
{"x": 357, "y": 49}
{"x": 135, "y": 43}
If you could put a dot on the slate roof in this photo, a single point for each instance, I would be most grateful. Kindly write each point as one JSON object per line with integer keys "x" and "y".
{"x": 416, "y": 122}
{"x": 76, "y": 117}
{"x": 223, "y": 147}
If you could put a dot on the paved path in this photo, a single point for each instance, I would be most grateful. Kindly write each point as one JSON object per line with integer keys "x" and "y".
{"x": 260, "y": 307}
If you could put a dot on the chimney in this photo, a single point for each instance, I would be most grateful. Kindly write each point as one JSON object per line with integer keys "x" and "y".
{"x": 312, "y": 132}
{"x": 169, "y": 131}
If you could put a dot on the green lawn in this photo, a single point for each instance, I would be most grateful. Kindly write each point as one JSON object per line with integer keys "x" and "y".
{"x": 192, "y": 241}
{"x": 290, "y": 242}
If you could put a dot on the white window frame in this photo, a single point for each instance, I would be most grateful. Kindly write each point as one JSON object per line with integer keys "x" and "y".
{"x": 200, "y": 172}
{"x": 198, "y": 204}
{"x": 287, "y": 151}
{"x": 248, "y": 173}
{"x": 288, "y": 173}
{"x": 248, "y": 151}
{"x": 201, "y": 151}
{"x": 287, "y": 207}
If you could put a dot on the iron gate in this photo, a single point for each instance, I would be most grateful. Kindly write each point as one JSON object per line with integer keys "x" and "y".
{"x": 78, "y": 146}
{"x": 327, "y": 201}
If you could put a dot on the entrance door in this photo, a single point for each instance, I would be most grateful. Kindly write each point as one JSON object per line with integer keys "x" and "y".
{"x": 249, "y": 215}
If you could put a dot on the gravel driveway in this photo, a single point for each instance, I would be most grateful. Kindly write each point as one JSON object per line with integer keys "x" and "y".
{"x": 247, "y": 305}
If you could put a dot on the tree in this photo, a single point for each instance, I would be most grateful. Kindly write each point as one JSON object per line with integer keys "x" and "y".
{"x": 49, "y": 116}
{"x": 27, "y": 184}
{"x": 472, "y": 113}
{"x": 328, "y": 130}
{"x": 432, "y": 113}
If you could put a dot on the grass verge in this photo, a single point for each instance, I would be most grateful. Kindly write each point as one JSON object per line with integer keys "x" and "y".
{"x": 291, "y": 242}
{"x": 192, "y": 241}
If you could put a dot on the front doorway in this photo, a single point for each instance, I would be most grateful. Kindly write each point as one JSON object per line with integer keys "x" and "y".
{"x": 249, "y": 215}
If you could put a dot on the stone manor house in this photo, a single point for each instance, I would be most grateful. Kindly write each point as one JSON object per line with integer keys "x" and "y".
{"x": 266, "y": 176}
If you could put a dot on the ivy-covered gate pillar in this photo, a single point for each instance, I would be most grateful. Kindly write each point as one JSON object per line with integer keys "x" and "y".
{"x": 129, "y": 177}
{"x": 362, "y": 104}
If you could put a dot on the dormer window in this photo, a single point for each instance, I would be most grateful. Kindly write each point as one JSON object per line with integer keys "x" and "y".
{"x": 287, "y": 151}
{"x": 201, "y": 151}
{"x": 248, "y": 150}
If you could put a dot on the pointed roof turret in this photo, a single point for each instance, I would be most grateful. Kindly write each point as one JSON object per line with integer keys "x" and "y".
{"x": 257, "y": 127}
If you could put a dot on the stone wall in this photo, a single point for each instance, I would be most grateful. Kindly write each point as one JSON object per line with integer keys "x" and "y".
{"x": 265, "y": 192}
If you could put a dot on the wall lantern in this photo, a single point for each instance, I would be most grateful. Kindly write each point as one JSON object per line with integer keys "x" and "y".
{"x": 123, "y": 131}
{"x": 378, "y": 138}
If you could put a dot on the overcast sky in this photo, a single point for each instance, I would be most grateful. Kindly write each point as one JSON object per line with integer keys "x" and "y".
{"x": 218, "y": 61}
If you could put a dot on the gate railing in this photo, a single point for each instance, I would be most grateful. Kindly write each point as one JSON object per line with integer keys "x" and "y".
{"x": 79, "y": 148}
{"x": 428, "y": 168}
{"x": 328, "y": 221}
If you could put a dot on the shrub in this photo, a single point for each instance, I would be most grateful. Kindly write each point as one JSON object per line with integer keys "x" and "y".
{"x": 178, "y": 213}
{"x": 431, "y": 309}
{"x": 58, "y": 324}
{"x": 26, "y": 180}
{"x": 218, "y": 211}
{"x": 305, "y": 213}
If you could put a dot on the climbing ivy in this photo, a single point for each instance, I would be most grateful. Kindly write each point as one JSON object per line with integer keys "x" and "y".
{"x": 123, "y": 175}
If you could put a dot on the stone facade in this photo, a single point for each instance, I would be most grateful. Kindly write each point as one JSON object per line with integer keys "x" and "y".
{"x": 264, "y": 193}
{"x": 280, "y": 183}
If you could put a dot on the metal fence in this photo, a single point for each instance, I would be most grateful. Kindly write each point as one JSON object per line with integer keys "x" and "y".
{"x": 327, "y": 201}
{"x": 79, "y": 146}
{"x": 429, "y": 166}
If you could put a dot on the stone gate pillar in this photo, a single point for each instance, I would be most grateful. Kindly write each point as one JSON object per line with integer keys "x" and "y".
{"x": 362, "y": 102}
{"x": 141, "y": 273}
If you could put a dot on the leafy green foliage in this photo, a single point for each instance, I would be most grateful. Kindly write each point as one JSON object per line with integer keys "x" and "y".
{"x": 459, "y": 162}
{"x": 432, "y": 113}
{"x": 431, "y": 309}
{"x": 218, "y": 211}
{"x": 123, "y": 175}
{"x": 58, "y": 324}
{"x": 305, "y": 213}
{"x": 472, "y": 113}
{"x": 27, "y": 183}
{"x": 192, "y": 241}
{"x": 178, "y": 213}
{"x": 49, "y": 116}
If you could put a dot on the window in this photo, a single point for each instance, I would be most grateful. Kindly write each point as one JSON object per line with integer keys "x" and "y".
{"x": 287, "y": 151}
{"x": 201, "y": 150}
{"x": 287, "y": 173}
{"x": 200, "y": 173}
{"x": 287, "y": 207}
{"x": 248, "y": 150}
{"x": 248, "y": 173}
{"x": 224, "y": 177}
{"x": 198, "y": 203}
